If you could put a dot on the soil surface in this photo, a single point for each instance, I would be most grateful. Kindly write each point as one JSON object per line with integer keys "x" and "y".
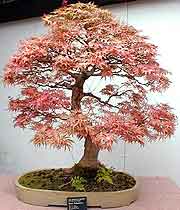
{"x": 59, "y": 179}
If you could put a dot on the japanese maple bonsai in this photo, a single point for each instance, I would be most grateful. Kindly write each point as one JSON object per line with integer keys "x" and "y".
{"x": 85, "y": 42}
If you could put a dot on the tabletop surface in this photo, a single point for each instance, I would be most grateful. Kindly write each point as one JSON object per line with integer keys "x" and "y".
{"x": 156, "y": 193}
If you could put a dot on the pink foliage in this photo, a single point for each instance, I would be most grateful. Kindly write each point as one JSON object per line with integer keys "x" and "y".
{"x": 84, "y": 41}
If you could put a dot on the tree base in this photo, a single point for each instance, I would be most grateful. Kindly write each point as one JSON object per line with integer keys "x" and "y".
{"x": 93, "y": 164}
{"x": 86, "y": 170}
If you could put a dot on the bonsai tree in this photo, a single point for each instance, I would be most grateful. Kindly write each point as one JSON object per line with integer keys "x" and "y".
{"x": 85, "y": 42}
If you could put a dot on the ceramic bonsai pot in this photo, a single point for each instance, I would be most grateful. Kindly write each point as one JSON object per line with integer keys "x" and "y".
{"x": 41, "y": 197}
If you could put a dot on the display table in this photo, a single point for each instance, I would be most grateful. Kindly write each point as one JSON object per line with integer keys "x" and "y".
{"x": 156, "y": 193}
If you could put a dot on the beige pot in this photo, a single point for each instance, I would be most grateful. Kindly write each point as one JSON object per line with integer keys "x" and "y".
{"x": 59, "y": 198}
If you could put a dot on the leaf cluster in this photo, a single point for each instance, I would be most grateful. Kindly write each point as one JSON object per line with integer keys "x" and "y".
{"x": 104, "y": 175}
{"x": 78, "y": 183}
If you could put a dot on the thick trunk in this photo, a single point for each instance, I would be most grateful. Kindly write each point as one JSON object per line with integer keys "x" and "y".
{"x": 90, "y": 156}
{"x": 77, "y": 93}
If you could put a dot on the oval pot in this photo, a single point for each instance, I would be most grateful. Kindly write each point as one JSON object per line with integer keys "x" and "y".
{"x": 41, "y": 197}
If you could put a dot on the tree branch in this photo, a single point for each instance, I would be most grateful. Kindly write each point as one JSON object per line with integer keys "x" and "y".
{"x": 133, "y": 78}
{"x": 100, "y": 100}
{"x": 80, "y": 40}
{"x": 90, "y": 73}
{"x": 118, "y": 94}
{"x": 55, "y": 116}
{"x": 127, "y": 76}
{"x": 74, "y": 75}
{"x": 63, "y": 85}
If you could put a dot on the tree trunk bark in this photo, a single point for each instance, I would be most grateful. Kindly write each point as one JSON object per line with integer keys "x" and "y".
{"x": 90, "y": 156}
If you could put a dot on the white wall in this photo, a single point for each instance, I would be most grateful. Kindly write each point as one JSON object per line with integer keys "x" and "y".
{"x": 160, "y": 20}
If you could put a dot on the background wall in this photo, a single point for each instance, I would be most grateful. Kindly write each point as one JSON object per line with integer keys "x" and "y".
{"x": 160, "y": 21}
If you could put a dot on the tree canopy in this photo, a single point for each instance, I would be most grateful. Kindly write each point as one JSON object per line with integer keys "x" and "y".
{"x": 84, "y": 42}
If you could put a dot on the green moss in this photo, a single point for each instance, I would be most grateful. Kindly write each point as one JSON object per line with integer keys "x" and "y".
{"x": 57, "y": 179}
